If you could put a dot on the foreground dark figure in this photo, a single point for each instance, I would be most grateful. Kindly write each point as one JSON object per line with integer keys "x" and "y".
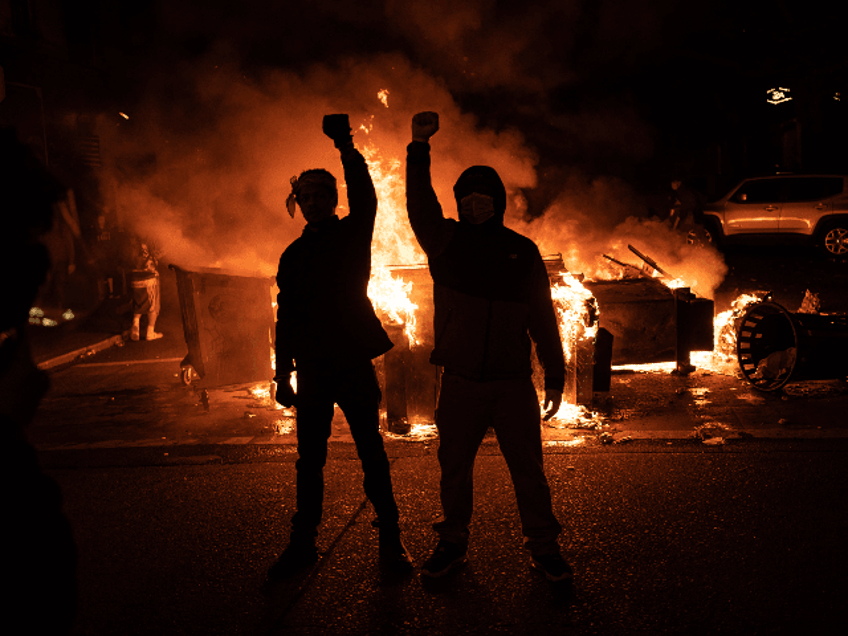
{"x": 328, "y": 332}
{"x": 491, "y": 295}
{"x": 39, "y": 553}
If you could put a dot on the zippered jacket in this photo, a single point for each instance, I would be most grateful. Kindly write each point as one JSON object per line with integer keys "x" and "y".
{"x": 490, "y": 289}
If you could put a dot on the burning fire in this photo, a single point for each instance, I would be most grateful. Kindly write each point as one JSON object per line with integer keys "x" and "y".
{"x": 394, "y": 242}
{"x": 722, "y": 359}
{"x": 575, "y": 307}
{"x": 390, "y": 295}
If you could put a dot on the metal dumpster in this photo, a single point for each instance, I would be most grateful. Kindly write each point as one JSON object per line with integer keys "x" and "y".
{"x": 228, "y": 324}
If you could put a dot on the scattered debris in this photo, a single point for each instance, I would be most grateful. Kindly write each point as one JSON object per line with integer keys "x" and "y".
{"x": 775, "y": 364}
{"x": 825, "y": 388}
{"x": 811, "y": 304}
{"x": 710, "y": 431}
{"x": 714, "y": 441}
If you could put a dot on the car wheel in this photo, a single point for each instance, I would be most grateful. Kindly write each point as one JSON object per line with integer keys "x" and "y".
{"x": 834, "y": 240}
{"x": 713, "y": 233}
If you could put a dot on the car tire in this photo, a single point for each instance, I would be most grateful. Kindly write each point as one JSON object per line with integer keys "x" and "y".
{"x": 713, "y": 232}
{"x": 833, "y": 239}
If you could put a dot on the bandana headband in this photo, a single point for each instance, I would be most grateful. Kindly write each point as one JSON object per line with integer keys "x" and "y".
{"x": 290, "y": 200}
{"x": 316, "y": 177}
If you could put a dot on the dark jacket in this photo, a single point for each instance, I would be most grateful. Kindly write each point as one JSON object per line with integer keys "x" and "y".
{"x": 323, "y": 311}
{"x": 490, "y": 289}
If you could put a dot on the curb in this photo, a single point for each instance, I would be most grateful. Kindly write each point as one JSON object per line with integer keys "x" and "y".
{"x": 71, "y": 356}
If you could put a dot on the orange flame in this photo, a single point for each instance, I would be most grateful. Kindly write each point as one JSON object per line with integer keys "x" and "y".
{"x": 572, "y": 302}
{"x": 390, "y": 295}
{"x": 394, "y": 241}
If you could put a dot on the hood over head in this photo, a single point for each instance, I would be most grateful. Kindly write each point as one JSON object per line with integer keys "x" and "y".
{"x": 481, "y": 180}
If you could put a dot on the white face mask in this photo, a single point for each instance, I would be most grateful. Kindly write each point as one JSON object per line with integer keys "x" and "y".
{"x": 477, "y": 208}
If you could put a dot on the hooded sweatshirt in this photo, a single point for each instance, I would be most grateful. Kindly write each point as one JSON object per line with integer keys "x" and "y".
{"x": 490, "y": 287}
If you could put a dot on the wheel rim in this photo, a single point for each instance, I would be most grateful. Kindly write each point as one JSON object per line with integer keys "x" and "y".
{"x": 836, "y": 241}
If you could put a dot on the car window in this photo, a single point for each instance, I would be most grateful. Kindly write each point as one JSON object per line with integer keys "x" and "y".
{"x": 759, "y": 191}
{"x": 813, "y": 188}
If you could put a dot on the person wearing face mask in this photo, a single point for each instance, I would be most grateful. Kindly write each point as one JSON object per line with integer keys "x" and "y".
{"x": 328, "y": 332}
{"x": 492, "y": 297}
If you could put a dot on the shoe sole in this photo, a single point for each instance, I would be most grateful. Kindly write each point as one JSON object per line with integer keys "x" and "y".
{"x": 452, "y": 566}
{"x": 567, "y": 576}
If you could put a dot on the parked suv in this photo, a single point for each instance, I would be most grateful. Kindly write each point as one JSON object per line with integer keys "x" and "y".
{"x": 808, "y": 207}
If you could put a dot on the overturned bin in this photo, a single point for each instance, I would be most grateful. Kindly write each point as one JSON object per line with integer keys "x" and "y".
{"x": 228, "y": 322}
{"x": 775, "y": 347}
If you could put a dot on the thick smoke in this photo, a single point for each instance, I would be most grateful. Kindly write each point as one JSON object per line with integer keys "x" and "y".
{"x": 591, "y": 218}
{"x": 206, "y": 176}
{"x": 203, "y": 165}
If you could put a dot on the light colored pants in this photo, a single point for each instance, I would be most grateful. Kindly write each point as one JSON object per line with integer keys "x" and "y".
{"x": 466, "y": 410}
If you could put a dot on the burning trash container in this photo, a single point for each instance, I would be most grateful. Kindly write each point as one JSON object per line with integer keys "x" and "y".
{"x": 775, "y": 347}
{"x": 227, "y": 322}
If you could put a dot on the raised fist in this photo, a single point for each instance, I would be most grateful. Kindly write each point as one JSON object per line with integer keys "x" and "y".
{"x": 337, "y": 128}
{"x": 424, "y": 125}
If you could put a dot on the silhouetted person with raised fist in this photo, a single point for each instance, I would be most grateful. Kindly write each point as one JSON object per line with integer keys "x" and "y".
{"x": 327, "y": 331}
{"x": 492, "y": 296}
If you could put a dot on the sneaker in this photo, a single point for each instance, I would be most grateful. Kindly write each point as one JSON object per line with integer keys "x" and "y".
{"x": 294, "y": 558}
{"x": 134, "y": 333}
{"x": 553, "y": 565}
{"x": 392, "y": 551}
{"x": 153, "y": 335}
{"x": 445, "y": 558}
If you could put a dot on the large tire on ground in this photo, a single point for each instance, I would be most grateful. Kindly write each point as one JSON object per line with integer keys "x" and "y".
{"x": 833, "y": 239}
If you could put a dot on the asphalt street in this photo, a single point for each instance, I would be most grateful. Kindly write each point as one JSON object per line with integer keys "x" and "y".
{"x": 668, "y": 537}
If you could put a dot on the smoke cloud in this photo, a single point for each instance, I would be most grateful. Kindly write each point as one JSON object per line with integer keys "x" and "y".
{"x": 206, "y": 176}
{"x": 203, "y": 164}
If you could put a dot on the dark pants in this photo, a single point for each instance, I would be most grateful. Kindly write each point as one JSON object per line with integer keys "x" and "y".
{"x": 352, "y": 385}
{"x": 466, "y": 410}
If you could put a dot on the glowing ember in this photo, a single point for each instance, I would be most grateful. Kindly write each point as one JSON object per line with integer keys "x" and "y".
{"x": 418, "y": 432}
{"x": 284, "y": 425}
{"x": 565, "y": 443}
{"x": 575, "y": 416}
